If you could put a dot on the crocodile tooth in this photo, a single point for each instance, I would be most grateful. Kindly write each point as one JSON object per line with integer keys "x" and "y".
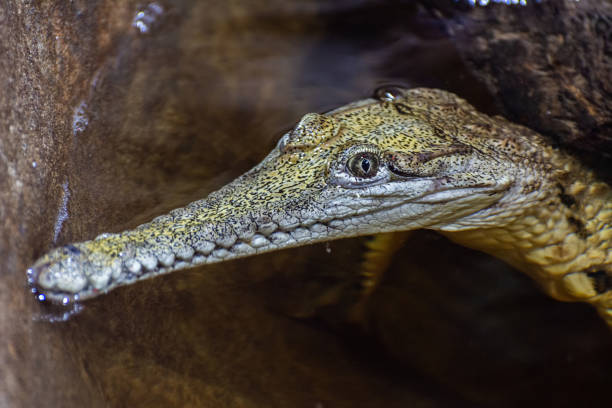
{"x": 166, "y": 259}
{"x": 259, "y": 241}
{"x": 280, "y": 237}
{"x": 220, "y": 253}
{"x": 133, "y": 266}
{"x": 243, "y": 248}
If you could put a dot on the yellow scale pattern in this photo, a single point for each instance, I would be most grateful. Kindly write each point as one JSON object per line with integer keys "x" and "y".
{"x": 566, "y": 248}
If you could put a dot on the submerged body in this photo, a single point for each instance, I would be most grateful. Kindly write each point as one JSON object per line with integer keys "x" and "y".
{"x": 408, "y": 159}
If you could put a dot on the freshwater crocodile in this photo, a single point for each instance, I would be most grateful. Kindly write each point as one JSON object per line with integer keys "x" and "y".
{"x": 403, "y": 160}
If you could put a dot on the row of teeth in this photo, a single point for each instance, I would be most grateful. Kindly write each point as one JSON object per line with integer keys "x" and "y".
{"x": 219, "y": 250}
{"x": 152, "y": 260}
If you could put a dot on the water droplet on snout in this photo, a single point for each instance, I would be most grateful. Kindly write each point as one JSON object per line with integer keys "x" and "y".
{"x": 328, "y": 248}
{"x": 31, "y": 278}
{"x": 147, "y": 18}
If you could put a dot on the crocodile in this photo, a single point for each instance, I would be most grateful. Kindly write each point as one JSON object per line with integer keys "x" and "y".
{"x": 401, "y": 160}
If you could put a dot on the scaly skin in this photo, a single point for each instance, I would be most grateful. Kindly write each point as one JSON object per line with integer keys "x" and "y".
{"x": 409, "y": 159}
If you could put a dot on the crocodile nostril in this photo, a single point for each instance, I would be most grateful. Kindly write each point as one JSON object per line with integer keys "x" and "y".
{"x": 72, "y": 249}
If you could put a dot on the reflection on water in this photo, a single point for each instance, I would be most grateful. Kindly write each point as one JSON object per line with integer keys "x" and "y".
{"x": 80, "y": 119}
{"x": 62, "y": 214}
{"x": 58, "y": 314}
{"x": 506, "y": 2}
{"x": 145, "y": 19}
{"x": 169, "y": 116}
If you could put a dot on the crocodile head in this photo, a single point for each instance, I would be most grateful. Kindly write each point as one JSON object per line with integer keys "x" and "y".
{"x": 406, "y": 159}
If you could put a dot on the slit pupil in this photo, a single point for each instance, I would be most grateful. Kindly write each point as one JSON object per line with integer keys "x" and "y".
{"x": 365, "y": 165}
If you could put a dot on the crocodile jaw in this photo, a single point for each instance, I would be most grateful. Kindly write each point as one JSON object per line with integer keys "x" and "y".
{"x": 221, "y": 227}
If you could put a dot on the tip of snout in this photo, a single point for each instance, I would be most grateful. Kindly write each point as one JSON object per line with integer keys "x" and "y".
{"x": 56, "y": 277}
{"x": 58, "y": 307}
{"x": 44, "y": 295}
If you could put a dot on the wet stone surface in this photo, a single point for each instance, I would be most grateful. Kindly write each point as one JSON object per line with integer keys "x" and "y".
{"x": 112, "y": 113}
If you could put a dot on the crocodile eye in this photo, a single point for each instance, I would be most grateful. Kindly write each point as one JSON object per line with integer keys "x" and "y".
{"x": 364, "y": 164}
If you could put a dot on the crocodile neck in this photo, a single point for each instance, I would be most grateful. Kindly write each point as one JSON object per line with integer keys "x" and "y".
{"x": 563, "y": 242}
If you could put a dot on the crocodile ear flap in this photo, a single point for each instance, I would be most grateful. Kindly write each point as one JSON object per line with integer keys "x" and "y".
{"x": 423, "y": 164}
{"x": 312, "y": 130}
